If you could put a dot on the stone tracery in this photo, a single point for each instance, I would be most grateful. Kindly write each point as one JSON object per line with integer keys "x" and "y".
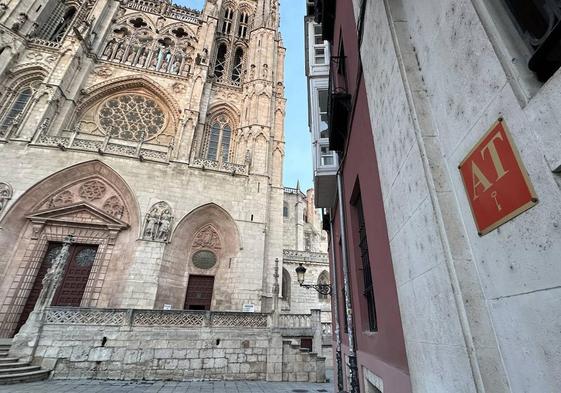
{"x": 132, "y": 117}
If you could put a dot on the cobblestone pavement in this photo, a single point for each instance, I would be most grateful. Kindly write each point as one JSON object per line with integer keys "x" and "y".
{"x": 83, "y": 386}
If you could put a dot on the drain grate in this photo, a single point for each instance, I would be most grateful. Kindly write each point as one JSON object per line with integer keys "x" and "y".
{"x": 322, "y": 390}
{"x": 300, "y": 391}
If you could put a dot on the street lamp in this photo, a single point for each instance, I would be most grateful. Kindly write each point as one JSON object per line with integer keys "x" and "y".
{"x": 324, "y": 289}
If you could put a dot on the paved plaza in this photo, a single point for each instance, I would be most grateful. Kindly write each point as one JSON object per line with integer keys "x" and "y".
{"x": 88, "y": 386}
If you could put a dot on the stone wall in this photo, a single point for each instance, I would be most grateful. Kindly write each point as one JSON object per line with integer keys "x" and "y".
{"x": 171, "y": 345}
{"x": 438, "y": 75}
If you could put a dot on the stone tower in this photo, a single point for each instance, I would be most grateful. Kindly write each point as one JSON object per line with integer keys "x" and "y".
{"x": 152, "y": 133}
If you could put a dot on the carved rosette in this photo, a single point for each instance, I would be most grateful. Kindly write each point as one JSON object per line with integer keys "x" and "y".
{"x": 92, "y": 190}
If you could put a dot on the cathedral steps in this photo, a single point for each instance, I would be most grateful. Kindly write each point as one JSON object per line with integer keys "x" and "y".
{"x": 14, "y": 371}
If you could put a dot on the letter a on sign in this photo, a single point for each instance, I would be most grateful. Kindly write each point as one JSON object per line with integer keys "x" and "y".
{"x": 496, "y": 182}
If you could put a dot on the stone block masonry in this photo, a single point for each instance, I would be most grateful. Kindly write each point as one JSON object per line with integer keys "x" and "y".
{"x": 169, "y": 345}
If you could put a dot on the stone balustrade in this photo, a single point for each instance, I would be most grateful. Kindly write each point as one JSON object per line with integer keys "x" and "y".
{"x": 295, "y": 321}
{"x": 305, "y": 256}
{"x": 156, "y": 318}
{"x": 73, "y": 140}
{"x": 229, "y": 167}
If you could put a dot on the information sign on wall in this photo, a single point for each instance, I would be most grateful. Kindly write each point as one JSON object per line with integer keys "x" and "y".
{"x": 496, "y": 181}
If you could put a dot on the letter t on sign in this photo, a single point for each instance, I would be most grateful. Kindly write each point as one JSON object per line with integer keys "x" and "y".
{"x": 496, "y": 182}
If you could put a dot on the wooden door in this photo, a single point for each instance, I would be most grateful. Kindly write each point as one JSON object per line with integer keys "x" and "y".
{"x": 53, "y": 250}
{"x": 199, "y": 293}
{"x": 76, "y": 275}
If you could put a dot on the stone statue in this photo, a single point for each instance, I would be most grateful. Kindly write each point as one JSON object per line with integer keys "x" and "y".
{"x": 151, "y": 226}
{"x": 20, "y": 21}
{"x": 108, "y": 50}
{"x": 158, "y": 223}
{"x": 165, "y": 226}
{"x": 120, "y": 53}
{"x": 142, "y": 59}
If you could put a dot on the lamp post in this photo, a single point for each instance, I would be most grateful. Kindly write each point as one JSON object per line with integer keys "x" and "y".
{"x": 324, "y": 289}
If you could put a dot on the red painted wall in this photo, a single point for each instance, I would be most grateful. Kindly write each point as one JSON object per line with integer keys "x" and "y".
{"x": 382, "y": 352}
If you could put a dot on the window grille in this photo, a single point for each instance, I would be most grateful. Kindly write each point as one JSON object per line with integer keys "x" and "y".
{"x": 368, "y": 287}
{"x": 539, "y": 24}
{"x": 237, "y": 68}
{"x": 220, "y": 64}
{"x": 55, "y": 28}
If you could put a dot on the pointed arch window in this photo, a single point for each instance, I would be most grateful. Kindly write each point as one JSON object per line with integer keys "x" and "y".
{"x": 58, "y": 23}
{"x": 219, "y": 138}
{"x": 286, "y": 285}
{"x": 15, "y": 108}
{"x": 227, "y": 23}
{"x": 220, "y": 64}
{"x": 243, "y": 25}
{"x": 238, "y": 65}
{"x": 323, "y": 279}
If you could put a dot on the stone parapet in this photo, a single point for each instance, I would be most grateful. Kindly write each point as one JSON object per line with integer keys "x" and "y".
{"x": 126, "y": 344}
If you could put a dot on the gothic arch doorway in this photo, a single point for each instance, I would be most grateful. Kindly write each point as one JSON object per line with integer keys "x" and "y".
{"x": 199, "y": 262}
{"x": 92, "y": 203}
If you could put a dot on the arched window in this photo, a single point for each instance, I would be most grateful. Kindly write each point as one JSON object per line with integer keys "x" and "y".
{"x": 15, "y": 108}
{"x": 242, "y": 28}
{"x": 323, "y": 279}
{"x": 220, "y": 64}
{"x": 285, "y": 209}
{"x": 237, "y": 66}
{"x": 218, "y": 140}
{"x": 227, "y": 22}
{"x": 286, "y": 282}
{"x": 57, "y": 24}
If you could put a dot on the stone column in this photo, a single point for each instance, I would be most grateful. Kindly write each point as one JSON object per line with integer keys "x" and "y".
{"x": 26, "y": 341}
{"x": 276, "y": 291}
{"x": 318, "y": 335}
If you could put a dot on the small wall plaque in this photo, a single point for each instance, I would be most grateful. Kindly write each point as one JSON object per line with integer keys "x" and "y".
{"x": 496, "y": 182}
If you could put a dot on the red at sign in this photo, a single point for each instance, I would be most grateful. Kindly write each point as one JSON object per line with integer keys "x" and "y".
{"x": 496, "y": 182}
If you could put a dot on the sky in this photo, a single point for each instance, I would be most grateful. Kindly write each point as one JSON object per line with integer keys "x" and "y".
{"x": 298, "y": 158}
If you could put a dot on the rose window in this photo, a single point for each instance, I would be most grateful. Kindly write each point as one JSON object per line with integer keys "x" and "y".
{"x": 132, "y": 117}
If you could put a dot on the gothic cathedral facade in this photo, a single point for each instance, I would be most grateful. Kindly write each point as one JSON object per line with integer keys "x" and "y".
{"x": 154, "y": 135}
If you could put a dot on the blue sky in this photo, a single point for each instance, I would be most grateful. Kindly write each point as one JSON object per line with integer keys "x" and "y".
{"x": 298, "y": 159}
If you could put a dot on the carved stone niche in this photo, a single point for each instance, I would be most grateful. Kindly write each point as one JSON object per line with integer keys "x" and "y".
{"x": 6, "y": 193}
{"x": 158, "y": 223}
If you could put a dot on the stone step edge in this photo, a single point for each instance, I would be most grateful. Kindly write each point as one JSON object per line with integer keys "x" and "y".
{"x": 8, "y": 360}
{"x": 5, "y": 366}
{"x": 25, "y": 375}
{"x": 17, "y": 370}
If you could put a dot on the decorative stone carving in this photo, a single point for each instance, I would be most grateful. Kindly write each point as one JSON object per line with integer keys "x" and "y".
{"x": 114, "y": 206}
{"x": 179, "y": 88}
{"x": 207, "y": 238}
{"x": 92, "y": 190}
{"x": 6, "y": 193}
{"x": 20, "y": 21}
{"x": 62, "y": 199}
{"x": 158, "y": 223}
{"x": 103, "y": 72}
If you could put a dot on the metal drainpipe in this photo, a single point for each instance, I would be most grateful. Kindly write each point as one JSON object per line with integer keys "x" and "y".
{"x": 353, "y": 368}
{"x": 335, "y": 303}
